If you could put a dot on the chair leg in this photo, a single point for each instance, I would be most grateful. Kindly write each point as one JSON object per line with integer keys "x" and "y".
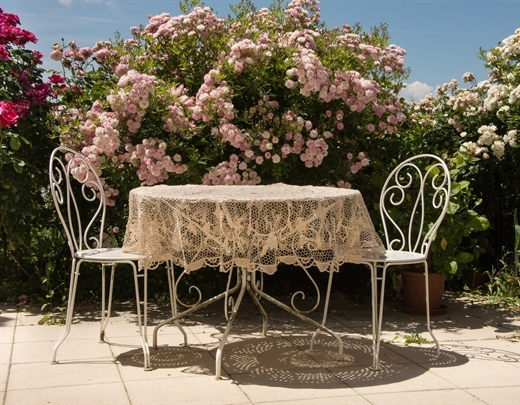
{"x": 142, "y": 323}
{"x": 74, "y": 274}
{"x": 427, "y": 295}
{"x": 377, "y": 311}
{"x": 105, "y": 314}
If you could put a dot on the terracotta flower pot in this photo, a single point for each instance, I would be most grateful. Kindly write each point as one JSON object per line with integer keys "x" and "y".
{"x": 414, "y": 293}
{"x": 475, "y": 279}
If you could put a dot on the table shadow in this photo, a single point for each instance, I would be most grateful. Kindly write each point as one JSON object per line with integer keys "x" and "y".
{"x": 289, "y": 362}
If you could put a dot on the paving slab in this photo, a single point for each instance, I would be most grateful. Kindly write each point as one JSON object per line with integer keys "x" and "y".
{"x": 103, "y": 393}
{"x": 496, "y": 395}
{"x": 200, "y": 389}
{"x": 433, "y": 396}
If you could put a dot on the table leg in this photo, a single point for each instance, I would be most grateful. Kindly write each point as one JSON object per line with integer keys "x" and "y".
{"x": 173, "y": 299}
{"x": 325, "y": 308}
{"x": 242, "y": 274}
{"x": 255, "y": 299}
{"x": 194, "y": 308}
{"x": 299, "y": 315}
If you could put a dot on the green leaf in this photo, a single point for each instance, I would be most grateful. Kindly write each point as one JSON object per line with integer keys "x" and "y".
{"x": 43, "y": 321}
{"x": 477, "y": 202}
{"x": 15, "y": 143}
{"x": 434, "y": 171}
{"x": 455, "y": 188}
{"x": 444, "y": 243}
{"x": 27, "y": 141}
{"x": 484, "y": 222}
{"x": 464, "y": 257}
{"x": 479, "y": 223}
{"x": 18, "y": 167}
{"x": 452, "y": 208}
{"x": 453, "y": 266}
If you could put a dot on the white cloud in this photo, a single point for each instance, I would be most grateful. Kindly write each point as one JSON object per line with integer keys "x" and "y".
{"x": 416, "y": 91}
{"x": 65, "y": 2}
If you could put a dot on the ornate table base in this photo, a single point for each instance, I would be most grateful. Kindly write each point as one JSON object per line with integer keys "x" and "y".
{"x": 246, "y": 281}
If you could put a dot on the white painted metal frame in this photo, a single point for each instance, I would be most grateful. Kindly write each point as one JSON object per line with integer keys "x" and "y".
{"x": 74, "y": 186}
{"x": 423, "y": 182}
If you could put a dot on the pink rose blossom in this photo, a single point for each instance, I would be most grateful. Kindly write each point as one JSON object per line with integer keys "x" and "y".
{"x": 102, "y": 54}
{"x": 4, "y": 54}
{"x": 8, "y": 115}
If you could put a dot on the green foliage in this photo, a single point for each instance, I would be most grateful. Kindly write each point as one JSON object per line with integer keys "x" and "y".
{"x": 458, "y": 240}
{"x": 516, "y": 249}
{"x": 415, "y": 338}
{"x": 503, "y": 288}
{"x": 26, "y": 248}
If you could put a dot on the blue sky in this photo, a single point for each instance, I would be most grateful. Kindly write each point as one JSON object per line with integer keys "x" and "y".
{"x": 442, "y": 37}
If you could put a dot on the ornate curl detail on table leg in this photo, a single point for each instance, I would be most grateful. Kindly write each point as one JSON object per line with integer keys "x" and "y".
{"x": 260, "y": 285}
{"x": 195, "y": 307}
{"x": 229, "y": 301}
{"x": 191, "y": 288}
{"x": 302, "y": 295}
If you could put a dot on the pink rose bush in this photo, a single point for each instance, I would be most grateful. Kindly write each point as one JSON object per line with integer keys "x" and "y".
{"x": 270, "y": 95}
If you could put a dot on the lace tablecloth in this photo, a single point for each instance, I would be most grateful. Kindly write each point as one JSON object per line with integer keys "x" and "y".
{"x": 254, "y": 227}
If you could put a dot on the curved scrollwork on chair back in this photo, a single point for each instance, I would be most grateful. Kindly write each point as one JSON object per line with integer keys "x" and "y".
{"x": 413, "y": 203}
{"x": 79, "y": 198}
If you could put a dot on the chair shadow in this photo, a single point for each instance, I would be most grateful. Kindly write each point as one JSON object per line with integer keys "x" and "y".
{"x": 289, "y": 362}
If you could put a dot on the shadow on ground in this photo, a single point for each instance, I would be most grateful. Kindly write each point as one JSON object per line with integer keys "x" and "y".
{"x": 289, "y": 362}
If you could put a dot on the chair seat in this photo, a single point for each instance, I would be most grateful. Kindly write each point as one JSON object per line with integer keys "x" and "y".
{"x": 106, "y": 255}
{"x": 396, "y": 257}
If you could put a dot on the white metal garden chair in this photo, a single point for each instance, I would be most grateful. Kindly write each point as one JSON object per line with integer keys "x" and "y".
{"x": 76, "y": 189}
{"x": 423, "y": 184}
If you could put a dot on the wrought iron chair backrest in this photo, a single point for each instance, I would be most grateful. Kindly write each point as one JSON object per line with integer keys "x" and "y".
{"x": 76, "y": 189}
{"x": 413, "y": 203}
